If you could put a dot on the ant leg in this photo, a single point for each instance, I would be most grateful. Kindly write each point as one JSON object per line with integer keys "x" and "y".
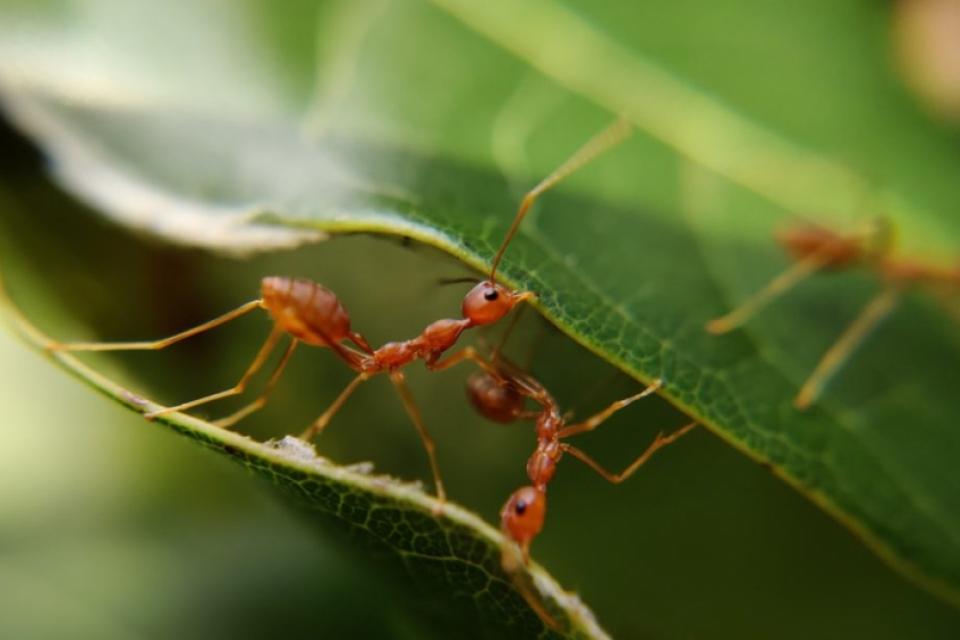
{"x": 616, "y": 478}
{"x": 467, "y": 353}
{"x": 236, "y": 389}
{"x": 152, "y": 345}
{"x": 592, "y": 423}
{"x": 875, "y": 311}
{"x": 497, "y": 359}
{"x": 399, "y": 381}
{"x": 783, "y": 282}
{"x": 321, "y": 423}
{"x": 471, "y": 354}
{"x": 261, "y": 400}
{"x": 506, "y": 335}
{"x": 613, "y": 135}
{"x": 496, "y": 354}
{"x": 499, "y": 365}
{"x": 531, "y": 388}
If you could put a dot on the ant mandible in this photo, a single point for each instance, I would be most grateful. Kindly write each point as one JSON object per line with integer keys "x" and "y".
{"x": 500, "y": 392}
{"x": 312, "y": 314}
{"x": 815, "y": 249}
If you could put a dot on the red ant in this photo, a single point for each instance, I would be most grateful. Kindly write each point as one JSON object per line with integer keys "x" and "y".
{"x": 312, "y": 314}
{"x": 500, "y": 392}
{"x": 815, "y": 249}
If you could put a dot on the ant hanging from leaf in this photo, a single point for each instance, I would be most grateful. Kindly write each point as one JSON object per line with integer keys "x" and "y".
{"x": 815, "y": 249}
{"x": 312, "y": 314}
{"x": 500, "y": 392}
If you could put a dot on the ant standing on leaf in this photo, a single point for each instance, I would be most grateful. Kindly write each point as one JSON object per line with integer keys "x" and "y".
{"x": 815, "y": 249}
{"x": 312, "y": 314}
{"x": 500, "y": 392}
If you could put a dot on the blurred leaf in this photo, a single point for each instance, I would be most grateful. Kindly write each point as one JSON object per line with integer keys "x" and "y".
{"x": 391, "y": 137}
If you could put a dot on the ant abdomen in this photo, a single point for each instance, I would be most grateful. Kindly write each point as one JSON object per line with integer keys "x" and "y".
{"x": 494, "y": 400}
{"x": 543, "y": 464}
{"x": 305, "y": 309}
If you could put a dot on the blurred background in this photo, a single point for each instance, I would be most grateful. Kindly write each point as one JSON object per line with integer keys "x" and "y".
{"x": 113, "y": 528}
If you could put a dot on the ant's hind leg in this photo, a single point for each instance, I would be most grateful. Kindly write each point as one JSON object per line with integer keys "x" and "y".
{"x": 321, "y": 423}
{"x": 236, "y": 389}
{"x": 875, "y": 311}
{"x": 261, "y": 400}
{"x": 400, "y": 382}
{"x": 163, "y": 343}
{"x": 592, "y": 423}
{"x": 776, "y": 287}
{"x": 616, "y": 478}
{"x": 465, "y": 354}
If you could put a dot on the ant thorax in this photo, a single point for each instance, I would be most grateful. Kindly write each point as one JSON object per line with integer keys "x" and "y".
{"x": 395, "y": 354}
{"x": 543, "y": 463}
{"x": 548, "y": 424}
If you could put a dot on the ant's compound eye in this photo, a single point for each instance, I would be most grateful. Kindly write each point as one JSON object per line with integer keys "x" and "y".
{"x": 520, "y": 507}
{"x": 491, "y": 294}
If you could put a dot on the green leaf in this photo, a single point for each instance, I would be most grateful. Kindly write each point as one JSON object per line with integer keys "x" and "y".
{"x": 443, "y": 546}
{"x": 389, "y": 136}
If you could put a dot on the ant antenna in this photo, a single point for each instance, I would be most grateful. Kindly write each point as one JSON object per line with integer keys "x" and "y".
{"x": 613, "y": 135}
{"x": 458, "y": 280}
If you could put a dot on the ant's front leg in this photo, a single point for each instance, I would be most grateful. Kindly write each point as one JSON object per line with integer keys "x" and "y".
{"x": 616, "y": 478}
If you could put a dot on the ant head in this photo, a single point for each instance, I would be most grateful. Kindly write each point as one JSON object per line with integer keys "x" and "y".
{"x": 522, "y": 516}
{"x": 488, "y": 302}
{"x": 493, "y": 399}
